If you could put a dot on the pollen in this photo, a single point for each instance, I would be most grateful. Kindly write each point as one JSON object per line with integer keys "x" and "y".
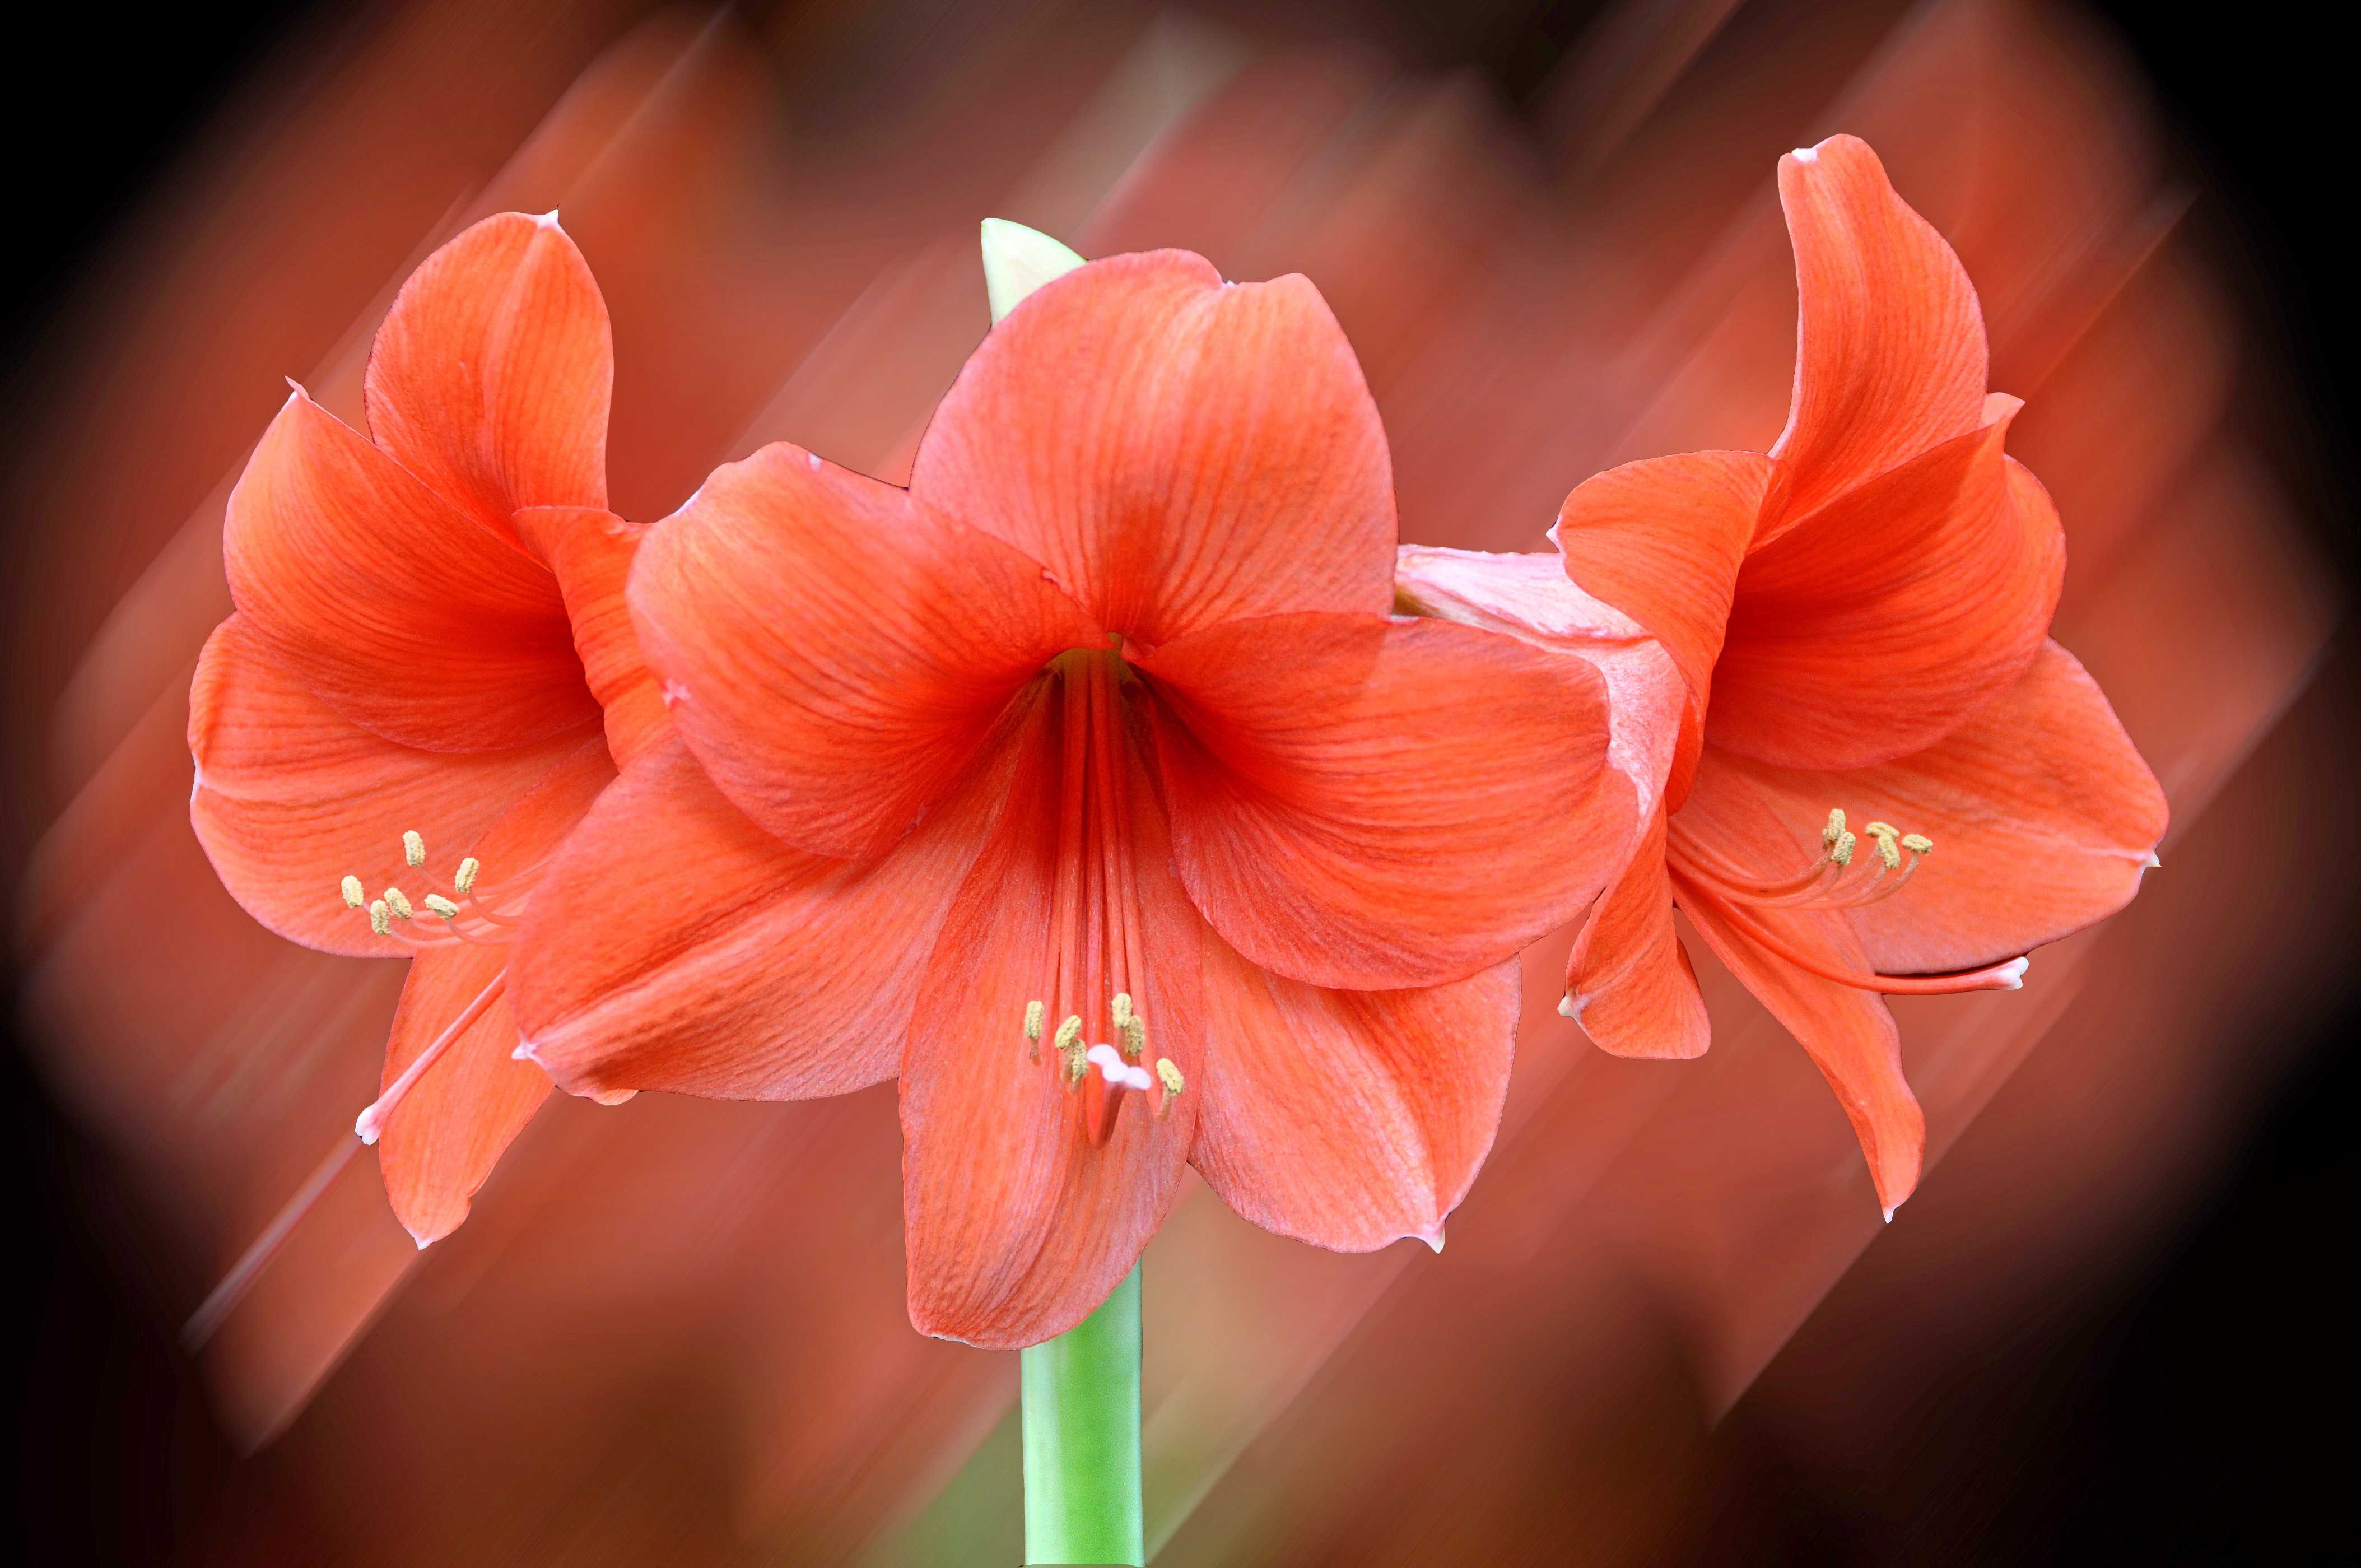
{"x": 1834, "y": 830}
{"x": 414, "y": 848}
{"x": 465, "y": 882}
{"x": 1841, "y": 850}
{"x": 399, "y": 902}
{"x": 354, "y": 897}
{"x": 1034, "y": 1014}
{"x": 1919, "y": 843}
{"x": 1120, "y": 1009}
{"x": 380, "y": 918}
{"x": 1135, "y": 1037}
{"x": 1169, "y": 1076}
{"x": 442, "y": 905}
{"x": 1888, "y": 838}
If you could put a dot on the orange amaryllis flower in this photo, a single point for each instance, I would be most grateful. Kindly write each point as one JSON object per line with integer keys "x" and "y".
{"x": 429, "y": 676}
{"x": 1089, "y": 786}
{"x": 1900, "y": 786}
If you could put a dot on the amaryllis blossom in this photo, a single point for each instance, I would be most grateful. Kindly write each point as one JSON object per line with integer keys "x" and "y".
{"x": 429, "y": 676}
{"x": 1888, "y": 780}
{"x": 1088, "y": 785}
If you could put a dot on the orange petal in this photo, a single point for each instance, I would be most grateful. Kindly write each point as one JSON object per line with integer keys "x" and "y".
{"x": 1380, "y": 806}
{"x": 2042, "y": 814}
{"x": 591, "y": 554}
{"x": 1662, "y": 541}
{"x": 292, "y": 797}
{"x": 1531, "y": 598}
{"x": 1848, "y": 1034}
{"x": 447, "y": 1134}
{"x": 677, "y": 946}
{"x": 1176, "y": 451}
{"x": 1016, "y": 1226}
{"x": 1629, "y": 983}
{"x": 1890, "y": 617}
{"x": 1890, "y": 356}
{"x": 388, "y": 603}
{"x": 835, "y": 656}
{"x": 492, "y": 376}
{"x": 1349, "y": 1119}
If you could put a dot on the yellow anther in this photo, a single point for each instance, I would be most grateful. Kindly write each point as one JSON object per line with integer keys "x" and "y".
{"x": 1841, "y": 850}
{"x": 466, "y": 881}
{"x": 1880, "y": 830}
{"x": 395, "y": 901}
{"x": 1169, "y": 1076}
{"x": 1067, "y": 1033}
{"x": 380, "y": 918}
{"x": 1917, "y": 843}
{"x": 1887, "y": 852}
{"x": 1833, "y": 831}
{"x": 1121, "y": 1009}
{"x": 354, "y": 897}
{"x": 1034, "y": 1014}
{"x": 442, "y": 905}
{"x": 414, "y": 848}
{"x": 1077, "y": 1062}
{"x": 1134, "y": 1036}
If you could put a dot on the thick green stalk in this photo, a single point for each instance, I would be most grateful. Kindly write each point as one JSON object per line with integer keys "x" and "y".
{"x": 1082, "y": 1438}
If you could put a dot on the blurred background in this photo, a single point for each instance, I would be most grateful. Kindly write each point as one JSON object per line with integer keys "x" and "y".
{"x": 1669, "y": 1327}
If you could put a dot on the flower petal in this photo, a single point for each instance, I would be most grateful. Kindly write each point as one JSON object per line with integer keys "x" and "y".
{"x": 591, "y": 554}
{"x": 1890, "y": 356}
{"x": 1629, "y": 983}
{"x": 388, "y": 603}
{"x": 677, "y": 946}
{"x": 1890, "y": 617}
{"x": 1531, "y": 598}
{"x": 1848, "y": 1034}
{"x": 447, "y": 1133}
{"x": 492, "y": 376}
{"x": 1017, "y": 1227}
{"x": 1661, "y": 540}
{"x": 1379, "y": 805}
{"x": 2042, "y": 814}
{"x": 1349, "y": 1119}
{"x": 837, "y": 656}
{"x": 291, "y": 797}
{"x": 1178, "y": 451}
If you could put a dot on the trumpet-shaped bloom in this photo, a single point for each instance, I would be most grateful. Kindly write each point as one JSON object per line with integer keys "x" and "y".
{"x": 429, "y": 676}
{"x": 1887, "y": 780}
{"x": 1089, "y": 786}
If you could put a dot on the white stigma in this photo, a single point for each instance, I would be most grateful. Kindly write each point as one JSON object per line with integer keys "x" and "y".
{"x": 1807, "y": 155}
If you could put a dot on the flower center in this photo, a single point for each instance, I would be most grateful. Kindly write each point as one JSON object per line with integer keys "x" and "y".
{"x": 469, "y": 917}
{"x": 1095, "y": 966}
{"x": 1842, "y": 878}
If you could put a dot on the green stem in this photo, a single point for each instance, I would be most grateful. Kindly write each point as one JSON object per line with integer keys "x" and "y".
{"x": 1082, "y": 1438}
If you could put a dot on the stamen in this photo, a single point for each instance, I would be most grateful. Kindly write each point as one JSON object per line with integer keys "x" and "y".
{"x": 1834, "y": 830}
{"x": 1841, "y": 853}
{"x": 399, "y": 903}
{"x": 1167, "y": 1075}
{"x": 1034, "y": 1014}
{"x": 414, "y": 848}
{"x": 354, "y": 897}
{"x": 380, "y": 918}
{"x": 442, "y": 905}
{"x": 464, "y": 882}
{"x": 1134, "y": 1036}
{"x": 1919, "y": 843}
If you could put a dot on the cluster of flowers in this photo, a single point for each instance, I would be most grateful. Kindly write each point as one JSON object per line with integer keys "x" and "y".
{"x": 1122, "y": 786}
